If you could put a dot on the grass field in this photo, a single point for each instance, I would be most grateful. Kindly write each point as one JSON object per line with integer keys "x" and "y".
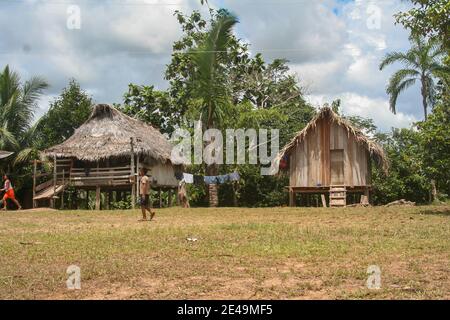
{"x": 274, "y": 253}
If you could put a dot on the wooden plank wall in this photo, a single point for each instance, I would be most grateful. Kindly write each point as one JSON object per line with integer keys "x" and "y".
{"x": 310, "y": 161}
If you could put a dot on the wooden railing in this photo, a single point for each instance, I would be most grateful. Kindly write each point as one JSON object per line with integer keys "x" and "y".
{"x": 111, "y": 176}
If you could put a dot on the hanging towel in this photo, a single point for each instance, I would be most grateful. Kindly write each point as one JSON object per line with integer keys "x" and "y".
{"x": 210, "y": 179}
{"x": 188, "y": 178}
{"x": 223, "y": 179}
{"x": 234, "y": 176}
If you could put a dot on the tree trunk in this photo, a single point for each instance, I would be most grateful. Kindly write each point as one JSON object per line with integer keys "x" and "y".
{"x": 433, "y": 190}
{"x": 213, "y": 193}
{"x": 424, "y": 97}
{"x": 212, "y": 170}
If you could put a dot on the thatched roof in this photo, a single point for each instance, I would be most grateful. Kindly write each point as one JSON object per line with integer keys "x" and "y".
{"x": 375, "y": 150}
{"x": 107, "y": 133}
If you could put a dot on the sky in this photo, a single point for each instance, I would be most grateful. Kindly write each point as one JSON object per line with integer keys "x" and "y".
{"x": 334, "y": 47}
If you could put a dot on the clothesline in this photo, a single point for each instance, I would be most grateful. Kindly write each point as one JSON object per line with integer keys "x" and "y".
{"x": 199, "y": 179}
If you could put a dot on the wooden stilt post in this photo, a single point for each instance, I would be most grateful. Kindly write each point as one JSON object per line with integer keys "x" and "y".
{"x": 109, "y": 200}
{"x": 169, "y": 199}
{"x": 34, "y": 181}
{"x": 62, "y": 192}
{"x": 291, "y": 197}
{"x": 138, "y": 187}
{"x": 87, "y": 199}
{"x": 133, "y": 195}
{"x": 55, "y": 177}
{"x": 324, "y": 201}
{"x": 97, "y": 198}
{"x": 160, "y": 198}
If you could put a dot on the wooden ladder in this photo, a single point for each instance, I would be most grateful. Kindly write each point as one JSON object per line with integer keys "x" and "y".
{"x": 338, "y": 196}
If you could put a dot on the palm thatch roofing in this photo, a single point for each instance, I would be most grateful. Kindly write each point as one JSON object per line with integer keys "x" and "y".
{"x": 107, "y": 133}
{"x": 374, "y": 149}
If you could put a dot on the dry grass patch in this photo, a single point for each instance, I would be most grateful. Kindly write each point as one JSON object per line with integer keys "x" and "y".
{"x": 279, "y": 253}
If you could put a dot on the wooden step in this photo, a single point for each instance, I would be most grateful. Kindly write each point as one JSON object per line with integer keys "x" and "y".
{"x": 338, "y": 196}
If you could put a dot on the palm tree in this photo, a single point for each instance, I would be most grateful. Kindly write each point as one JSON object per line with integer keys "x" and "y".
{"x": 210, "y": 80}
{"x": 18, "y": 102}
{"x": 421, "y": 62}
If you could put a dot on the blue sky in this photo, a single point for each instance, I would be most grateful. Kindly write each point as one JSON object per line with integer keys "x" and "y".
{"x": 334, "y": 46}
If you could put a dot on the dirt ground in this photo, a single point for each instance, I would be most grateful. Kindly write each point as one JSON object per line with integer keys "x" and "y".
{"x": 227, "y": 253}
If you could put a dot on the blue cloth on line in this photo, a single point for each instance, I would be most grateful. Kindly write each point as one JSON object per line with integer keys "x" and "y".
{"x": 210, "y": 179}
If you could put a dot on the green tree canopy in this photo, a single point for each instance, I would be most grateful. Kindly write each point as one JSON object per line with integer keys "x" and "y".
{"x": 66, "y": 113}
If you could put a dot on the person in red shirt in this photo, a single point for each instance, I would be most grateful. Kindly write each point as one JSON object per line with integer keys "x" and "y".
{"x": 9, "y": 193}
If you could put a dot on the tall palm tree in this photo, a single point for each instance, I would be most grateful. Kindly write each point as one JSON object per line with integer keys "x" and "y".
{"x": 210, "y": 80}
{"x": 421, "y": 62}
{"x": 18, "y": 102}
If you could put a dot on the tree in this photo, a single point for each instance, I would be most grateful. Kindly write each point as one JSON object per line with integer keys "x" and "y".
{"x": 421, "y": 62}
{"x": 152, "y": 106}
{"x": 66, "y": 113}
{"x": 434, "y": 137}
{"x": 406, "y": 178}
{"x": 18, "y": 103}
{"x": 210, "y": 82}
{"x": 428, "y": 18}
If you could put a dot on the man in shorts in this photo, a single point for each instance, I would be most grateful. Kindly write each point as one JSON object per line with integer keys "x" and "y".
{"x": 144, "y": 190}
{"x": 9, "y": 193}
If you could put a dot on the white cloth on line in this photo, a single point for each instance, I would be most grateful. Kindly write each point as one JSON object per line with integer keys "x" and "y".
{"x": 188, "y": 178}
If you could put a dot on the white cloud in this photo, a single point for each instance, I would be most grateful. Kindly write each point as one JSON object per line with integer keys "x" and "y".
{"x": 358, "y": 105}
{"x": 334, "y": 46}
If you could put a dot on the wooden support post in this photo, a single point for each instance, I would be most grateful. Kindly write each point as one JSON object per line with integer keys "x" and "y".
{"x": 109, "y": 200}
{"x": 87, "y": 199}
{"x": 169, "y": 199}
{"x": 160, "y": 198}
{"x": 291, "y": 198}
{"x": 324, "y": 201}
{"x": 53, "y": 201}
{"x": 133, "y": 195}
{"x": 137, "y": 178}
{"x": 97, "y": 198}
{"x": 62, "y": 191}
{"x": 34, "y": 181}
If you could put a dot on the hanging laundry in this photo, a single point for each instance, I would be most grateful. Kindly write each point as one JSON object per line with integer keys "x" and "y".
{"x": 210, "y": 179}
{"x": 179, "y": 175}
{"x": 198, "y": 179}
{"x": 235, "y": 176}
{"x": 223, "y": 179}
{"x": 188, "y": 178}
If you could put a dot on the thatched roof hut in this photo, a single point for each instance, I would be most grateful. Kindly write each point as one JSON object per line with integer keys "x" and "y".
{"x": 330, "y": 155}
{"x": 327, "y": 114}
{"x": 107, "y": 134}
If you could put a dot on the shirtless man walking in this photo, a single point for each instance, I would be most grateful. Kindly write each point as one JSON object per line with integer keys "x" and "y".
{"x": 144, "y": 190}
